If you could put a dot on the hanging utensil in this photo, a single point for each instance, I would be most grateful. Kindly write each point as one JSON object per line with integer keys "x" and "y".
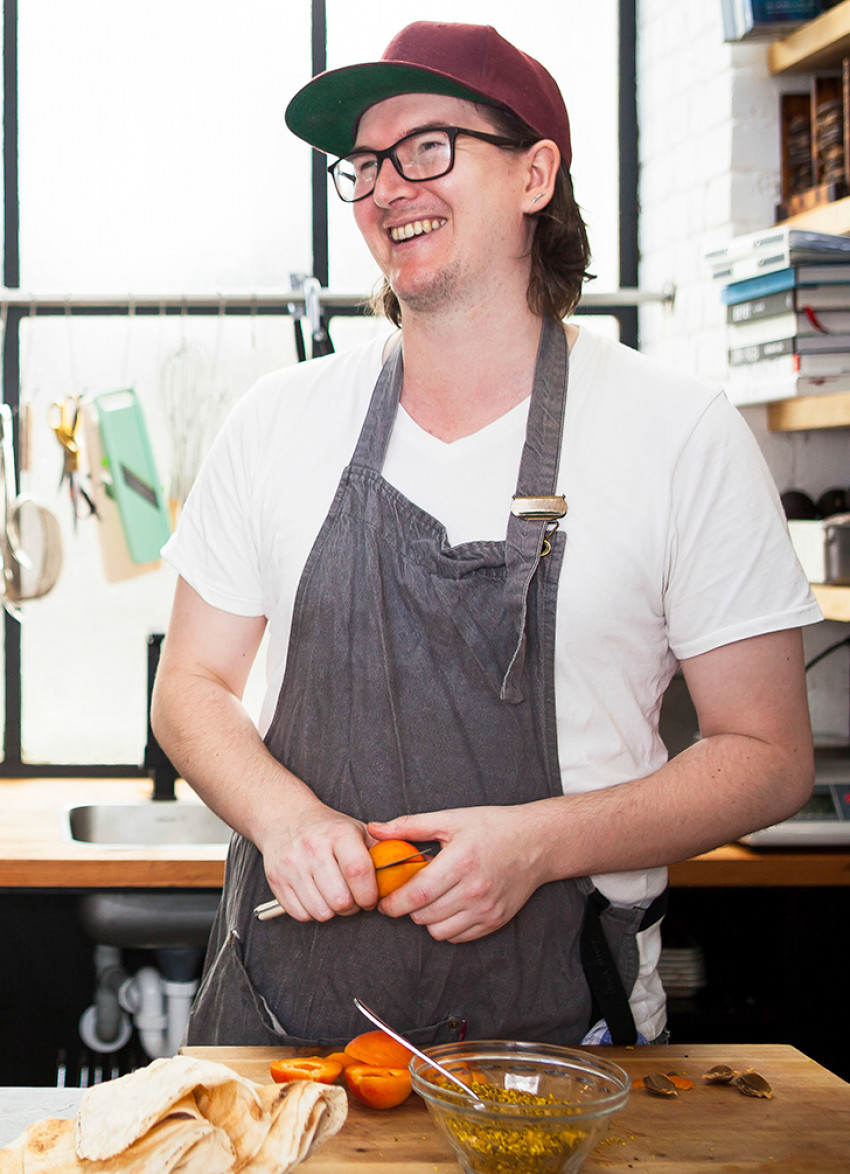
{"x": 399, "y": 1038}
{"x": 30, "y": 538}
{"x": 321, "y": 340}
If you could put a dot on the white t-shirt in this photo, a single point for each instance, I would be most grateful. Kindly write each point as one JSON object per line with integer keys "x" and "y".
{"x": 676, "y": 542}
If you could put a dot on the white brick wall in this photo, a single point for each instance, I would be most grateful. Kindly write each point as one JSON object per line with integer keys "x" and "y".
{"x": 708, "y": 114}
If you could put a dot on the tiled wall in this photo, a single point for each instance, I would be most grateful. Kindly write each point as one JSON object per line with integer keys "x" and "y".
{"x": 708, "y": 114}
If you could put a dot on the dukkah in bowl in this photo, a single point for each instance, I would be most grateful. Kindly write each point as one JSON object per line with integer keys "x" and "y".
{"x": 533, "y": 1109}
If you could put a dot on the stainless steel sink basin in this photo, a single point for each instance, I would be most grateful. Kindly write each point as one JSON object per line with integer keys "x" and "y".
{"x": 145, "y": 824}
{"x": 148, "y": 921}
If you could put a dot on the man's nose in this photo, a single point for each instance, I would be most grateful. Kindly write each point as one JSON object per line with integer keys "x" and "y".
{"x": 389, "y": 182}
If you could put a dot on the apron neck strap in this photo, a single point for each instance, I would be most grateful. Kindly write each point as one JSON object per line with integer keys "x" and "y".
{"x": 538, "y": 477}
{"x": 377, "y": 427}
{"x": 538, "y": 472}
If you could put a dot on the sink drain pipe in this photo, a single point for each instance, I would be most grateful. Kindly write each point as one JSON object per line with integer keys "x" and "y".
{"x": 157, "y": 1007}
{"x": 160, "y": 1009}
{"x": 104, "y": 1026}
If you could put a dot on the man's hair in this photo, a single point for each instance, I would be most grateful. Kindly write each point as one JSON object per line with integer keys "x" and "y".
{"x": 560, "y": 252}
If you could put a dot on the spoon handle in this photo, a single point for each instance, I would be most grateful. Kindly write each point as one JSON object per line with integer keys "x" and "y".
{"x": 364, "y": 1010}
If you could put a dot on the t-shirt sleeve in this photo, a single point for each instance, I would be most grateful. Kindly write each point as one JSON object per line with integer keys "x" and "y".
{"x": 732, "y": 572}
{"x": 214, "y": 546}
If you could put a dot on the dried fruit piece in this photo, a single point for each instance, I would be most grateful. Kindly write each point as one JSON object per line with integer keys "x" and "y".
{"x": 720, "y": 1074}
{"x": 752, "y": 1084}
{"x": 681, "y": 1082}
{"x": 660, "y": 1086}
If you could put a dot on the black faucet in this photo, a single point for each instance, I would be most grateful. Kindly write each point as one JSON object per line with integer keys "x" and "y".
{"x": 157, "y": 763}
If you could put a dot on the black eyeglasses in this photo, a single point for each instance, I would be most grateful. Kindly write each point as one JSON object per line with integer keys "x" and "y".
{"x": 419, "y": 156}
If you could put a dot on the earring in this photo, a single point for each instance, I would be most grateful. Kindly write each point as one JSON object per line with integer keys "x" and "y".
{"x": 539, "y": 196}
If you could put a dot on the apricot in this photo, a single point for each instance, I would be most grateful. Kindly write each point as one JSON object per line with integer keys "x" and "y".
{"x": 384, "y": 853}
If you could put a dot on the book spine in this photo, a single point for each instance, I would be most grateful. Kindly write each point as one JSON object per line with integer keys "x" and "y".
{"x": 741, "y": 355}
{"x": 772, "y": 10}
{"x": 746, "y": 363}
{"x": 826, "y": 330}
{"x": 766, "y": 307}
{"x": 744, "y": 268}
{"x": 757, "y": 287}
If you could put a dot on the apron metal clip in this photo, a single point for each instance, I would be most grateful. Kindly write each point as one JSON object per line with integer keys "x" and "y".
{"x": 541, "y": 509}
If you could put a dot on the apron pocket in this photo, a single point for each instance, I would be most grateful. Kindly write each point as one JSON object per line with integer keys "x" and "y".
{"x": 227, "y": 1009}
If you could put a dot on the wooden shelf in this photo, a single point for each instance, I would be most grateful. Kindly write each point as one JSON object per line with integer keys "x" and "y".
{"x": 809, "y": 411}
{"x": 818, "y": 45}
{"x": 834, "y": 601}
{"x": 833, "y": 218}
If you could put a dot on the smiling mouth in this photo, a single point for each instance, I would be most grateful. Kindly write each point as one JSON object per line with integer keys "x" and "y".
{"x": 404, "y": 232}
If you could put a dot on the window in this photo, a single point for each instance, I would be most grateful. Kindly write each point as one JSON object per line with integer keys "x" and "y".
{"x": 154, "y": 164}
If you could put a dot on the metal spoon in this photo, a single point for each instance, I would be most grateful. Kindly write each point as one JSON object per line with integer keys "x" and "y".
{"x": 364, "y": 1010}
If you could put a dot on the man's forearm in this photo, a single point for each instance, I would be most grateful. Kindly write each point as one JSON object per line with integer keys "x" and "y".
{"x": 713, "y": 792}
{"x": 212, "y": 742}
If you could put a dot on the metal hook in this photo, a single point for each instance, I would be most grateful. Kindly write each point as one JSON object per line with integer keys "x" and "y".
{"x": 547, "y": 545}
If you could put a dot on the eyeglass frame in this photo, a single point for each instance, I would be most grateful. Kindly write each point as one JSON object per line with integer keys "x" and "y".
{"x": 390, "y": 153}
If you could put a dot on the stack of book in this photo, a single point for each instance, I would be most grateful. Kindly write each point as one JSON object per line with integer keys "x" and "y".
{"x": 743, "y": 19}
{"x": 787, "y": 298}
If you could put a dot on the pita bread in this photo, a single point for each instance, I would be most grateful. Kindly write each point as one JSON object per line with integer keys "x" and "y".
{"x": 240, "y": 1112}
{"x": 12, "y": 1156}
{"x": 182, "y": 1141}
{"x": 114, "y": 1114}
{"x": 303, "y": 1114}
{"x": 182, "y": 1116}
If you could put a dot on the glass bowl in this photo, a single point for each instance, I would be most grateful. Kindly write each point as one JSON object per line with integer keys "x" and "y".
{"x": 545, "y": 1106}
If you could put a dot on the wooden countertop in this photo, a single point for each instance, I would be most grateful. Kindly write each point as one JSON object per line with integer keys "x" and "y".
{"x": 35, "y": 853}
{"x": 803, "y": 1129}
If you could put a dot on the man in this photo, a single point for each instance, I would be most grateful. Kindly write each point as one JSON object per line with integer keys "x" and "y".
{"x": 478, "y": 579}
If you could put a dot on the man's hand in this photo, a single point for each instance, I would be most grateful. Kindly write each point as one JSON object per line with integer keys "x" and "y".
{"x": 317, "y": 863}
{"x": 487, "y": 868}
{"x": 752, "y": 766}
{"x": 317, "y": 860}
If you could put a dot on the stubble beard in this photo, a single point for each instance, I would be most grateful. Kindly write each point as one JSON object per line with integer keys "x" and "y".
{"x": 442, "y": 292}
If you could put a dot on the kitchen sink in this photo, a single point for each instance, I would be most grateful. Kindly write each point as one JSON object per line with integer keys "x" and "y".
{"x": 149, "y": 920}
{"x": 145, "y": 824}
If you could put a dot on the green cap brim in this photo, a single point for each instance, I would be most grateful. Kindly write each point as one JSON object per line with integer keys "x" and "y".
{"x": 326, "y": 111}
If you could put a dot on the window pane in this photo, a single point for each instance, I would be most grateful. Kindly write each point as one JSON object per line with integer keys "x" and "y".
{"x": 153, "y": 158}
{"x": 84, "y": 645}
{"x": 153, "y": 152}
{"x": 558, "y": 36}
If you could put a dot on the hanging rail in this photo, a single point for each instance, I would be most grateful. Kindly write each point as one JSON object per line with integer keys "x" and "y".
{"x": 287, "y": 301}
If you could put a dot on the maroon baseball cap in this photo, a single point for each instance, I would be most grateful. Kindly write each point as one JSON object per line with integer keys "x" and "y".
{"x": 470, "y": 61}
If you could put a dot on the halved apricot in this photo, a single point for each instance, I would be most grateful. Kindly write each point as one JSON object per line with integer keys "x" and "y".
{"x": 379, "y": 1088}
{"x": 318, "y": 1068}
{"x": 378, "y": 1049}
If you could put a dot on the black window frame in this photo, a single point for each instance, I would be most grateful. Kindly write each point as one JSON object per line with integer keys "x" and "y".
{"x": 12, "y": 765}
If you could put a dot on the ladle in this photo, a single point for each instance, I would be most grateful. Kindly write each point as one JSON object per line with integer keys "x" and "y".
{"x": 364, "y": 1010}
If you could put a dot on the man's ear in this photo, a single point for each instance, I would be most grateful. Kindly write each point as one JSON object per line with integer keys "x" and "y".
{"x": 543, "y": 161}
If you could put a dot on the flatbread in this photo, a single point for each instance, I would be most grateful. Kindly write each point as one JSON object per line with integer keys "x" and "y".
{"x": 12, "y": 1156}
{"x": 183, "y": 1141}
{"x": 238, "y": 1108}
{"x": 303, "y": 1114}
{"x": 180, "y": 1115}
{"x": 114, "y": 1114}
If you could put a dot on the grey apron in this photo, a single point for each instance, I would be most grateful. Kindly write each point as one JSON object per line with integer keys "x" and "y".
{"x": 419, "y": 677}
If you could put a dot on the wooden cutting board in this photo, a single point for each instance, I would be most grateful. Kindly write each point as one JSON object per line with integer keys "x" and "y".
{"x": 804, "y": 1129}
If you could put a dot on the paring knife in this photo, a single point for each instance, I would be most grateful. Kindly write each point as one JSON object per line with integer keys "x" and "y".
{"x": 270, "y": 909}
